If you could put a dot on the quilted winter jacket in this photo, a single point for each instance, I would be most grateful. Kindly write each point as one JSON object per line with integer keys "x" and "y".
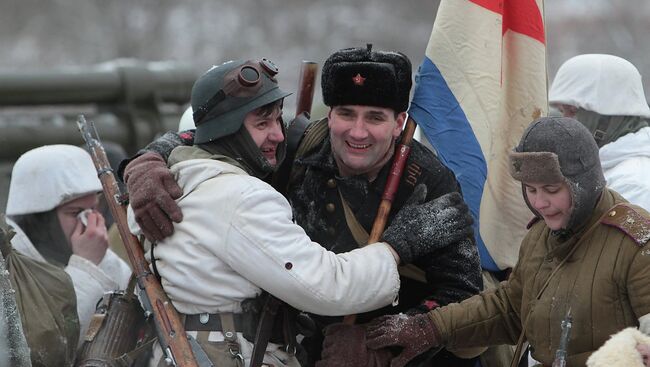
{"x": 604, "y": 281}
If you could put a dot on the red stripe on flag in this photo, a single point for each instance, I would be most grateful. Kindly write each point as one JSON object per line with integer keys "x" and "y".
{"x": 492, "y": 5}
{"x": 521, "y": 16}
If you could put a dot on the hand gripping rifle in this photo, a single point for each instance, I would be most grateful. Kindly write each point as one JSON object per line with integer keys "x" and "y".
{"x": 170, "y": 330}
{"x": 560, "y": 354}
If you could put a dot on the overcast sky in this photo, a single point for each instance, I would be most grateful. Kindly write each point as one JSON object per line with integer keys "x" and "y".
{"x": 49, "y": 34}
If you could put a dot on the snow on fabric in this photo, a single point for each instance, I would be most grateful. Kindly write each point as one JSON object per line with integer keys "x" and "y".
{"x": 482, "y": 81}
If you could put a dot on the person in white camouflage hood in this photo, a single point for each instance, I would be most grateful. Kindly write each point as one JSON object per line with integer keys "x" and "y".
{"x": 605, "y": 94}
{"x": 52, "y": 205}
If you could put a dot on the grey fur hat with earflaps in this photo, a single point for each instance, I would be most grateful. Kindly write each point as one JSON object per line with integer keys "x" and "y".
{"x": 560, "y": 149}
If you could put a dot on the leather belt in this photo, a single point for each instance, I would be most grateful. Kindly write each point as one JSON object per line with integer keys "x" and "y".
{"x": 211, "y": 322}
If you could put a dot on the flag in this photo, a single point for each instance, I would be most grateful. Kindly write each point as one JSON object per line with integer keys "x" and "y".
{"x": 482, "y": 82}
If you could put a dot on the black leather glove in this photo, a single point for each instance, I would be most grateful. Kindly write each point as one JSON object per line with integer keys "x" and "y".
{"x": 420, "y": 227}
{"x": 414, "y": 334}
{"x": 152, "y": 193}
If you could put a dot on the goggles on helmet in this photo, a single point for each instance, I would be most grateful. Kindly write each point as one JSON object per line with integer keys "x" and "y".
{"x": 243, "y": 81}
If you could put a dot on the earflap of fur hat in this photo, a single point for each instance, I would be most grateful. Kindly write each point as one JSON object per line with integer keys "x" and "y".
{"x": 537, "y": 167}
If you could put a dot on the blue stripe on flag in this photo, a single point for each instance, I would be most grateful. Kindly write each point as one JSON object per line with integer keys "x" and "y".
{"x": 435, "y": 109}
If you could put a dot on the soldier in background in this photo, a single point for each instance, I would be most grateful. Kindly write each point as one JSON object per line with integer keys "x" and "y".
{"x": 52, "y": 207}
{"x": 604, "y": 93}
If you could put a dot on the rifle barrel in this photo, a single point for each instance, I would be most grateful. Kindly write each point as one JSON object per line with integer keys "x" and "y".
{"x": 306, "y": 86}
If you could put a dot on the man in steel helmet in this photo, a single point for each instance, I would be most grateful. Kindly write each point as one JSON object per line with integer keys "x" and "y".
{"x": 245, "y": 88}
{"x": 237, "y": 237}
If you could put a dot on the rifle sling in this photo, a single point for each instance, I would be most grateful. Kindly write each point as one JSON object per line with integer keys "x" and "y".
{"x": 264, "y": 327}
{"x": 361, "y": 236}
{"x": 295, "y": 133}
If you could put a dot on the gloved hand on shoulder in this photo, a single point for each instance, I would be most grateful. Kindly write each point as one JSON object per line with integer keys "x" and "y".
{"x": 152, "y": 194}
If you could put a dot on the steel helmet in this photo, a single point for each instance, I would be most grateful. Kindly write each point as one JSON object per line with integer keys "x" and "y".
{"x": 223, "y": 96}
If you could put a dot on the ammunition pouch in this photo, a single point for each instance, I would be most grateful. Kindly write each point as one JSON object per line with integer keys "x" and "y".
{"x": 118, "y": 335}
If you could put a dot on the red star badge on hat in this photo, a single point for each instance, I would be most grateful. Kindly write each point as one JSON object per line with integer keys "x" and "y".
{"x": 358, "y": 79}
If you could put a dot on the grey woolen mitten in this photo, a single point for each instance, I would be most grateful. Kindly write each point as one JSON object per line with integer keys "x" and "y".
{"x": 421, "y": 228}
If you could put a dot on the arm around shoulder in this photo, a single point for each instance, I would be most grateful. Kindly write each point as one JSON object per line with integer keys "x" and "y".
{"x": 282, "y": 259}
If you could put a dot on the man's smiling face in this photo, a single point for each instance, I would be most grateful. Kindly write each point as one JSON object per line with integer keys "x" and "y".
{"x": 265, "y": 127}
{"x": 362, "y": 137}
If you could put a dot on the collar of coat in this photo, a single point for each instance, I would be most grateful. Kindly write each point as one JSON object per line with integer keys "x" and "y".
{"x": 353, "y": 188}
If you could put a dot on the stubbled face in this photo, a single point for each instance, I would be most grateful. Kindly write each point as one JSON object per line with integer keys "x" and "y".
{"x": 552, "y": 201}
{"x": 67, "y": 212}
{"x": 266, "y": 131}
{"x": 362, "y": 137}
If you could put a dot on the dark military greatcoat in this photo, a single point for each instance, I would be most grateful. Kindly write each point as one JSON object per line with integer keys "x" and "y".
{"x": 452, "y": 274}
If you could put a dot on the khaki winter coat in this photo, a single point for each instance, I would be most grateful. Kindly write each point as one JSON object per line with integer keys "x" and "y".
{"x": 605, "y": 281}
{"x": 90, "y": 280}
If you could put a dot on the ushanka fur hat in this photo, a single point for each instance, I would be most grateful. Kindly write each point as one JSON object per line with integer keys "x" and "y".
{"x": 361, "y": 76}
{"x": 560, "y": 149}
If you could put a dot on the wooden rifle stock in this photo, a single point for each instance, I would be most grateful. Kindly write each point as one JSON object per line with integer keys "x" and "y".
{"x": 170, "y": 330}
{"x": 306, "y": 86}
{"x": 392, "y": 184}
